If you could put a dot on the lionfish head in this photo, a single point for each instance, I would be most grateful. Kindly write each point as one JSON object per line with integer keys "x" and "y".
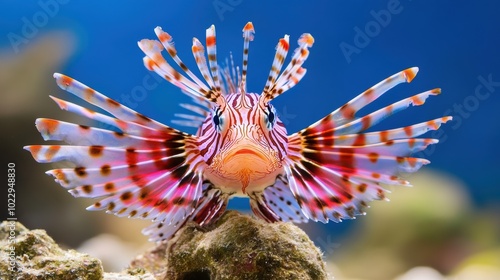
{"x": 242, "y": 138}
{"x": 245, "y": 141}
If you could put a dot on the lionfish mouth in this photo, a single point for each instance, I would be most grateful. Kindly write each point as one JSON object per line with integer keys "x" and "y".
{"x": 249, "y": 152}
{"x": 246, "y": 162}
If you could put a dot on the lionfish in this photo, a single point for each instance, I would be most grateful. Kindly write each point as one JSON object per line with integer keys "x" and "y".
{"x": 142, "y": 168}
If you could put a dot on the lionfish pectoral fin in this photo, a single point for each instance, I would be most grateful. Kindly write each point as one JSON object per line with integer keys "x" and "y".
{"x": 334, "y": 169}
{"x": 133, "y": 183}
{"x": 277, "y": 203}
{"x": 148, "y": 170}
{"x": 261, "y": 209}
{"x": 210, "y": 206}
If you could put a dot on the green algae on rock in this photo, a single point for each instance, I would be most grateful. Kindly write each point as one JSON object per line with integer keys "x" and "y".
{"x": 35, "y": 255}
{"x": 236, "y": 247}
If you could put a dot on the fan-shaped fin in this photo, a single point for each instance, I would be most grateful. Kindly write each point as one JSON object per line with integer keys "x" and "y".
{"x": 334, "y": 169}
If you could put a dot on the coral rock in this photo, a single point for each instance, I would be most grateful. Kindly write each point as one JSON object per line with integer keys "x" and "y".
{"x": 33, "y": 254}
{"x": 27, "y": 255}
{"x": 236, "y": 247}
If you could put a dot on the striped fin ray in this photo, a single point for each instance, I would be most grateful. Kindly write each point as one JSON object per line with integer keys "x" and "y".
{"x": 201, "y": 108}
{"x": 248, "y": 32}
{"x": 330, "y": 187}
{"x": 214, "y": 83}
{"x": 279, "y": 60}
{"x": 107, "y": 189}
{"x": 199, "y": 55}
{"x": 106, "y": 173}
{"x": 109, "y": 105}
{"x": 191, "y": 117}
{"x": 125, "y": 126}
{"x": 185, "y": 120}
{"x": 229, "y": 75}
{"x": 348, "y": 159}
{"x": 358, "y": 139}
{"x": 348, "y": 111}
{"x": 341, "y": 121}
{"x": 177, "y": 196}
{"x": 97, "y": 164}
{"x": 334, "y": 185}
{"x": 82, "y": 135}
{"x": 369, "y": 120}
{"x": 400, "y": 147}
{"x": 293, "y": 73}
{"x": 124, "y": 118}
{"x": 154, "y": 61}
{"x": 97, "y": 155}
{"x": 80, "y": 176}
{"x": 188, "y": 120}
{"x": 168, "y": 43}
{"x": 234, "y": 72}
{"x": 335, "y": 169}
{"x": 300, "y": 55}
{"x": 211, "y": 42}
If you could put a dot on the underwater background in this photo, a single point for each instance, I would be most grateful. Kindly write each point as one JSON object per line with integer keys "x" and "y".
{"x": 449, "y": 220}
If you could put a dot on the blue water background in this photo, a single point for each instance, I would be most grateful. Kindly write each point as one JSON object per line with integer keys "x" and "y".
{"x": 454, "y": 43}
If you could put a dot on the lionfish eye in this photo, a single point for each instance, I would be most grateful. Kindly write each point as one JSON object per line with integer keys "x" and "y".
{"x": 271, "y": 116}
{"x": 217, "y": 119}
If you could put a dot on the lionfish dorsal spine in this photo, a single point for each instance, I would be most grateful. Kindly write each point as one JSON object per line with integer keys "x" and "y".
{"x": 293, "y": 72}
{"x": 154, "y": 61}
{"x": 211, "y": 42}
{"x": 279, "y": 60}
{"x": 248, "y": 32}
{"x": 168, "y": 43}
